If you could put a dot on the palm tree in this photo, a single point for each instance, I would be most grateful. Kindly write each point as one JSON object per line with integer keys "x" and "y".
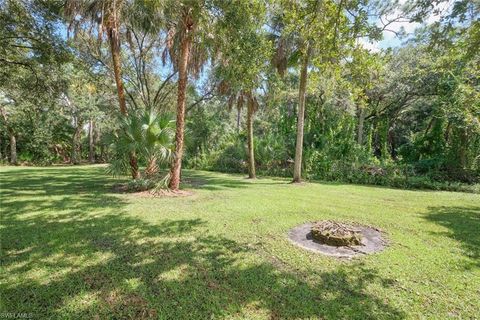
{"x": 190, "y": 26}
{"x": 241, "y": 98}
{"x": 243, "y": 64}
{"x": 187, "y": 26}
{"x": 157, "y": 133}
{"x": 106, "y": 14}
{"x": 187, "y": 57}
{"x": 147, "y": 134}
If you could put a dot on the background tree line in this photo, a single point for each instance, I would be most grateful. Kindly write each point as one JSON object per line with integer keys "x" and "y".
{"x": 282, "y": 88}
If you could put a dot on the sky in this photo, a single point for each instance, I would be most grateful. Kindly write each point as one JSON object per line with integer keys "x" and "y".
{"x": 390, "y": 39}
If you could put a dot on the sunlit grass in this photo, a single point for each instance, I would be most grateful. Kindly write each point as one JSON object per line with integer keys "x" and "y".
{"x": 72, "y": 248}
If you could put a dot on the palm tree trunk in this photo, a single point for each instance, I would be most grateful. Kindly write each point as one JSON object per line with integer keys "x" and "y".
{"x": 13, "y": 149}
{"x": 152, "y": 168}
{"x": 181, "y": 96}
{"x": 117, "y": 71}
{"x": 297, "y": 170}
{"x": 135, "y": 172}
{"x": 91, "y": 144}
{"x": 251, "y": 151}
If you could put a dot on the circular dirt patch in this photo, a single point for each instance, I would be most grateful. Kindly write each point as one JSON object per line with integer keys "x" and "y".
{"x": 371, "y": 241}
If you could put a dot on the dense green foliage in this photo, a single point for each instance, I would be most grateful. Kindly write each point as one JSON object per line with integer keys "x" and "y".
{"x": 404, "y": 117}
{"x": 413, "y": 137}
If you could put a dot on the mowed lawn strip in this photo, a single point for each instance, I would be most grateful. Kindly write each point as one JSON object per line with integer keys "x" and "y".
{"x": 73, "y": 248}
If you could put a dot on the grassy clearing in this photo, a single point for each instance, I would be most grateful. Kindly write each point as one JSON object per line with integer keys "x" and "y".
{"x": 71, "y": 248}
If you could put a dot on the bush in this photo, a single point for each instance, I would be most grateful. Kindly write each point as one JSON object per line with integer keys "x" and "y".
{"x": 230, "y": 156}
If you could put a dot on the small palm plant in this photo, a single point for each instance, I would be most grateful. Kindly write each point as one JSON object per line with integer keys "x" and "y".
{"x": 148, "y": 135}
{"x": 157, "y": 132}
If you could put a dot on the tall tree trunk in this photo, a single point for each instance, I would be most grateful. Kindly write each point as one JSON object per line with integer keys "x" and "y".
{"x": 76, "y": 143}
{"x": 91, "y": 143}
{"x": 238, "y": 119}
{"x": 297, "y": 171}
{"x": 117, "y": 71}
{"x": 181, "y": 96}
{"x": 152, "y": 168}
{"x": 391, "y": 141}
{"x": 251, "y": 151}
{"x": 361, "y": 119}
{"x": 134, "y": 165}
{"x": 115, "y": 51}
{"x": 13, "y": 149}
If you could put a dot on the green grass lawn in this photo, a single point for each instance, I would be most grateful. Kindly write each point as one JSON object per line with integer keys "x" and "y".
{"x": 71, "y": 248}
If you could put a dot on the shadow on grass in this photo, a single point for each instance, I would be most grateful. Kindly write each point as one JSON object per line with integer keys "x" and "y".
{"x": 35, "y": 189}
{"x": 463, "y": 224}
{"x": 84, "y": 256}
